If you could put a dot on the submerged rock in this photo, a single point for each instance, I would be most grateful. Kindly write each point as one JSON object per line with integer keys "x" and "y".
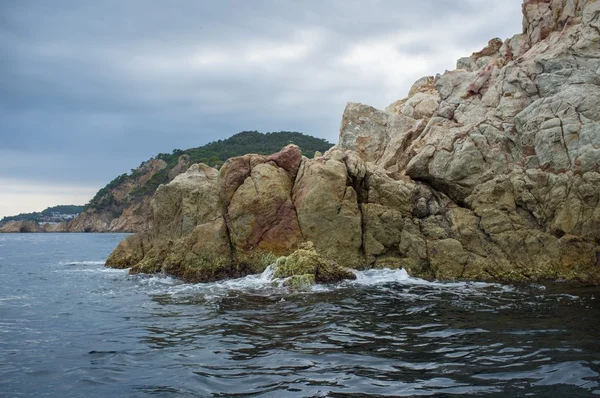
{"x": 487, "y": 172}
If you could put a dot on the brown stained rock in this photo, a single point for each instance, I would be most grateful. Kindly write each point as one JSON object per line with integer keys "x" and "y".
{"x": 542, "y": 17}
{"x": 261, "y": 214}
{"x": 492, "y": 48}
{"x": 233, "y": 173}
{"x": 284, "y": 234}
{"x": 289, "y": 159}
{"x": 480, "y": 81}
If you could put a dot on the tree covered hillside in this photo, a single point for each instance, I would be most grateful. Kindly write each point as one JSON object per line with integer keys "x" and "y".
{"x": 213, "y": 154}
{"x": 51, "y": 214}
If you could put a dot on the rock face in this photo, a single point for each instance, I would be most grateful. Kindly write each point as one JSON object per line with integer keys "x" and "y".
{"x": 32, "y": 226}
{"x": 128, "y": 217}
{"x": 487, "y": 172}
{"x": 20, "y": 226}
{"x": 58, "y": 227}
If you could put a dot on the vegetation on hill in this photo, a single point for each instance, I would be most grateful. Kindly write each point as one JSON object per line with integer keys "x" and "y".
{"x": 212, "y": 154}
{"x": 51, "y": 214}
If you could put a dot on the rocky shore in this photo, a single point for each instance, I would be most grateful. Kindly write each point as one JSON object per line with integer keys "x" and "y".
{"x": 487, "y": 172}
{"x": 32, "y": 226}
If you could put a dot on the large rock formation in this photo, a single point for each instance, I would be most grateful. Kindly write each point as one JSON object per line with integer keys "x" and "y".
{"x": 487, "y": 172}
{"x": 124, "y": 204}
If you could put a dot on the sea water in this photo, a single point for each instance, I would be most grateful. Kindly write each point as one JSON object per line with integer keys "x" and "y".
{"x": 69, "y": 327}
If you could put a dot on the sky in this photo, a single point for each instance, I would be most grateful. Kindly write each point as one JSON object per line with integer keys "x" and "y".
{"x": 90, "y": 89}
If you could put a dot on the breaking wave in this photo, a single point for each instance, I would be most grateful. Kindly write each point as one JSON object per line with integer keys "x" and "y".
{"x": 267, "y": 284}
{"x": 86, "y": 262}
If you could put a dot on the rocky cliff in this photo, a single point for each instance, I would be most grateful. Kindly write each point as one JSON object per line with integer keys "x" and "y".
{"x": 487, "y": 172}
{"x": 32, "y": 226}
{"x": 111, "y": 210}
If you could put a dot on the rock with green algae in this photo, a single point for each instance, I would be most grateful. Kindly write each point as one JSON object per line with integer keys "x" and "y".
{"x": 300, "y": 282}
{"x": 306, "y": 267}
{"x": 130, "y": 252}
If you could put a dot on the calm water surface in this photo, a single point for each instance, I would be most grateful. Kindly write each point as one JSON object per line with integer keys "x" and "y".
{"x": 71, "y": 328}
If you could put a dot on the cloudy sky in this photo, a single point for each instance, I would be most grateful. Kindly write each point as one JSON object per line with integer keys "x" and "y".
{"x": 89, "y": 89}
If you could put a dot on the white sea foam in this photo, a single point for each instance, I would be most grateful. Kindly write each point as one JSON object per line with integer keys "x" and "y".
{"x": 97, "y": 270}
{"x": 379, "y": 276}
{"x": 266, "y": 283}
{"x": 375, "y": 277}
{"x": 258, "y": 282}
{"x": 85, "y": 262}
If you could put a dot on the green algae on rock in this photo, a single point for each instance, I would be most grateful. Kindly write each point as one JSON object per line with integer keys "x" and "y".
{"x": 306, "y": 261}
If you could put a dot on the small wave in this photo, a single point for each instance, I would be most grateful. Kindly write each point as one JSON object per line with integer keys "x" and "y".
{"x": 452, "y": 332}
{"x": 86, "y": 262}
{"x": 155, "y": 280}
{"x": 266, "y": 283}
{"x": 97, "y": 270}
{"x": 380, "y": 276}
{"x": 12, "y": 298}
{"x": 212, "y": 289}
{"x": 376, "y": 277}
{"x": 576, "y": 373}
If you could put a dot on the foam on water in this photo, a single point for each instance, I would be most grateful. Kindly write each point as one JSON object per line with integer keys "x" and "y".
{"x": 98, "y": 270}
{"x": 380, "y": 276}
{"x": 266, "y": 284}
{"x": 168, "y": 285}
{"x": 85, "y": 262}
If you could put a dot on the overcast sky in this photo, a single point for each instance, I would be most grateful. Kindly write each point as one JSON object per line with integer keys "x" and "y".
{"x": 89, "y": 89}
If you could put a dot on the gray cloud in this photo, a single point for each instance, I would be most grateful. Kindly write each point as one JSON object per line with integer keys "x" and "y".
{"x": 89, "y": 89}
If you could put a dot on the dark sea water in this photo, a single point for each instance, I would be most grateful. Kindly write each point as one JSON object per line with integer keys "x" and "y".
{"x": 71, "y": 328}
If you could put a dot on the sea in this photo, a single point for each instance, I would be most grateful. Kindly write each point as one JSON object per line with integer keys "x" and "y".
{"x": 69, "y": 327}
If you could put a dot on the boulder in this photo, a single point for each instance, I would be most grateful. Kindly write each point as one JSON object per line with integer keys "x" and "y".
{"x": 306, "y": 267}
